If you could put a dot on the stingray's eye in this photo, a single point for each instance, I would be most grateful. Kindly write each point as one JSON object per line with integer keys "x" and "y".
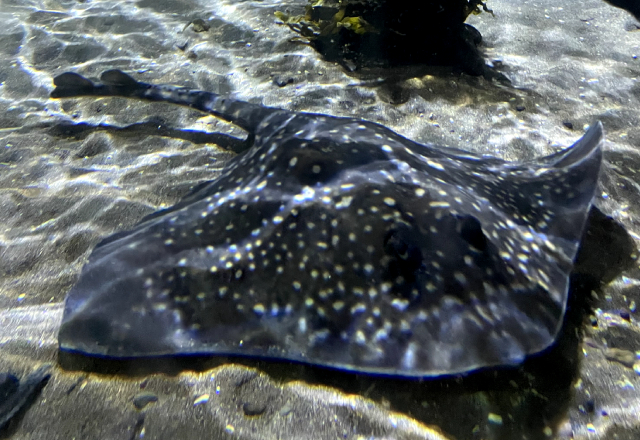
{"x": 401, "y": 246}
{"x": 471, "y": 231}
{"x": 321, "y": 160}
{"x": 311, "y": 166}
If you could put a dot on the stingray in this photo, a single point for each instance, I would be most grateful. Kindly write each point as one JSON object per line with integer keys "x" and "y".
{"x": 338, "y": 242}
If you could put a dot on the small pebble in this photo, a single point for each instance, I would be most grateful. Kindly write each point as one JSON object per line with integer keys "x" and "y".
{"x": 254, "y": 409}
{"x": 590, "y": 406}
{"x": 285, "y": 410}
{"x": 198, "y": 25}
{"x": 281, "y": 82}
{"x": 143, "y": 399}
{"x": 80, "y": 380}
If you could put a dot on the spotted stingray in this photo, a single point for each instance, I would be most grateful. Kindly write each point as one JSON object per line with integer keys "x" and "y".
{"x": 337, "y": 242}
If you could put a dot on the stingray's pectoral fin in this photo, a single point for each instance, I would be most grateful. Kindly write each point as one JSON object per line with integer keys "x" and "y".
{"x": 552, "y": 195}
{"x": 561, "y": 188}
{"x": 571, "y": 176}
{"x": 588, "y": 146}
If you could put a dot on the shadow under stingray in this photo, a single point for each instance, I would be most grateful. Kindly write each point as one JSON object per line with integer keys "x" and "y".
{"x": 529, "y": 399}
{"x": 152, "y": 127}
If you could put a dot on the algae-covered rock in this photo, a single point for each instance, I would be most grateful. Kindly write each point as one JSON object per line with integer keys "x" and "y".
{"x": 387, "y": 33}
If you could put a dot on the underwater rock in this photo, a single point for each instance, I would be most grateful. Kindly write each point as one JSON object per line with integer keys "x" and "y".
{"x": 384, "y": 33}
{"x": 632, "y": 6}
{"x": 141, "y": 400}
{"x": 337, "y": 242}
{"x": 199, "y": 25}
{"x": 16, "y": 395}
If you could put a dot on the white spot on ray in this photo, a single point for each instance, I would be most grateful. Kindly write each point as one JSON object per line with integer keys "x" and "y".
{"x": 435, "y": 165}
{"x": 409, "y": 357}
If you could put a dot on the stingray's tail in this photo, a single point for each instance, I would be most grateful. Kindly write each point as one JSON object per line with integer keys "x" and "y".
{"x": 117, "y": 83}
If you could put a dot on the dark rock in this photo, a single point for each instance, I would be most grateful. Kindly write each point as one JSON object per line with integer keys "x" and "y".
{"x": 141, "y": 400}
{"x": 281, "y": 82}
{"x": 624, "y": 357}
{"x": 589, "y": 406}
{"x": 633, "y": 6}
{"x": 380, "y": 33}
{"x": 14, "y": 396}
{"x": 8, "y": 386}
{"x": 254, "y": 408}
{"x": 198, "y": 25}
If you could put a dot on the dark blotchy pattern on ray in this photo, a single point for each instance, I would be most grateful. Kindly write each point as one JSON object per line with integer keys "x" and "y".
{"x": 337, "y": 242}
